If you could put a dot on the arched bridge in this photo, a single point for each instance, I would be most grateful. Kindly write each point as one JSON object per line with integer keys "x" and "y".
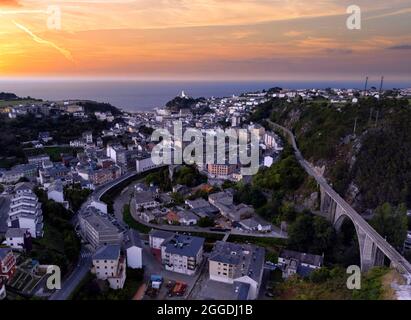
{"x": 373, "y": 247}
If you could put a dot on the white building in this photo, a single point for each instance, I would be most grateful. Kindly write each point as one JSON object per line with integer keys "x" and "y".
{"x": 110, "y": 265}
{"x": 25, "y": 211}
{"x": 238, "y": 263}
{"x": 134, "y": 250}
{"x": 56, "y": 192}
{"x": 17, "y": 238}
{"x": 182, "y": 254}
{"x": 145, "y": 164}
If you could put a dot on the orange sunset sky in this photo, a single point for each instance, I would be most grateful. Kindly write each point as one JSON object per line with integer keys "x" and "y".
{"x": 221, "y": 39}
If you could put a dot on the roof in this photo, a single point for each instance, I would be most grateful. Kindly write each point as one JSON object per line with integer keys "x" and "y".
{"x": 57, "y": 185}
{"x": 143, "y": 197}
{"x": 183, "y": 245}
{"x": 160, "y": 234}
{"x": 307, "y": 258}
{"x": 198, "y": 203}
{"x": 15, "y": 233}
{"x": 133, "y": 239}
{"x": 248, "y": 260}
{"x": 110, "y": 252}
{"x": 4, "y": 252}
{"x": 23, "y": 186}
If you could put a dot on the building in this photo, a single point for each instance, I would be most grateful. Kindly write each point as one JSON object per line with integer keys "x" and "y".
{"x": 99, "y": 205}
{"x": 293, "y": 262}
{"x": 88, "y": 137}
{"x": 18, "y": 239}
{"x": 134, "y": 250}
{"x": 156, "y": 239}
{"x": 7, "y": 264}
{"x": 145, "y": 199}
{"x": 182, "y": 254}
{"x": 2, "y": 289}
{"x": 273, "y": 141}
{"x": 25, "y": 211}
{"x": 110, "y": 265}
{"x": 238, "y": 263}
{"x": 145, "y": 164}
{"x": 55, "y": 192}
{"x": 38, "y": 160}
{"x": 221, "y": 170}
{"x": 100, "y": 229}
{"x": 255, "y": 224}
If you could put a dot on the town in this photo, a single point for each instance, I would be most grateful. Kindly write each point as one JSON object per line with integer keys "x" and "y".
{"x": 129, "y": 228}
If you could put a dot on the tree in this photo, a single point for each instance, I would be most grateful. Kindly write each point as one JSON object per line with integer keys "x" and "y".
{"x": 391, "y": 222}
{"x": 1, "y": 188}
{"x": 205, "y": 222}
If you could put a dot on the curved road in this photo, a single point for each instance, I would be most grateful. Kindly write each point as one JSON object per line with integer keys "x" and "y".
{"x": 396, "y": 258}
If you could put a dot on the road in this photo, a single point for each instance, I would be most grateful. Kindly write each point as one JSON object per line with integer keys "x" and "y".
{"x": 381, "y": 243}
{"x": 173, "y": 228}
{"x": 85, "y": 261}
{"x": 70, "y": 284}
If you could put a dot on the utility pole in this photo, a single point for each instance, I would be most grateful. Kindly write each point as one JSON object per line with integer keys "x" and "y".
{"x": 366, "y": 85}
{"x": 382, "y": 84}
{"x": 355, "y": 125}
{"x": 376, "y": 118}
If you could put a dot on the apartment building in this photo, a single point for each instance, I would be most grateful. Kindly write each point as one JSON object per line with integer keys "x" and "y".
{"x": 238, "y": 263}
{"x": 294, "y": 262}
{"x": 182, "y": 254}
{"x": 110, "y": 265}
{"x": 100, "y": 229}
{"x": 25, "y": 210}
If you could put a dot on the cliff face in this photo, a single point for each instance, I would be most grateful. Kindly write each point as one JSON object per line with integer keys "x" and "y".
{"x": 363, "y": 149}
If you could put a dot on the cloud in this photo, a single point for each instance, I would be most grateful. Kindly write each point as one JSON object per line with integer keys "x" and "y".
{"x": 64, "y": 52}
{"x": 9, "y": 3}
{"x": 401, "y": 47}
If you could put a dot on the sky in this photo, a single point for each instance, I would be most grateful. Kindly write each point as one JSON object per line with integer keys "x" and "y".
{"x": 205, "y": 39}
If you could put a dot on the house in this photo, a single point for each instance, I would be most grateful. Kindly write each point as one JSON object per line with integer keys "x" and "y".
{"x": 145, "y": 200}
{"x": 156, "y": 239}
{"x": 25, "y": 210}
{"x": 182, "y": 254}
{"x": 18, "y": 239}
{"x": 134, "y": 250}
{"x": 255, "y": 224}
{"x": 7, "y": 264}
{"x": 110, "y": 265}
{"x": 183, "y": 217}
{"x": 293, "y": 262}
{"x": 223, "y": 197}
{"x": 100, "y": 229}
{"x": 187, "y": 218}
{"x": 238, "y": 263}
{"x": 55, "y": 192}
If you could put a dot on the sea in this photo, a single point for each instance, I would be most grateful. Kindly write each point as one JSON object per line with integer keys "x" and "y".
{"x": 139, "y": 95}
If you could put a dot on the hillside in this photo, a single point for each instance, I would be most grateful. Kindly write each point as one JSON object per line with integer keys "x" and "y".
{"x": 369, "y": 166}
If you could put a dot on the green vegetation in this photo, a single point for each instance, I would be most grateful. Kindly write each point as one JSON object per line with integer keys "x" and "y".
{"x": 189, "y": 176}
{"x": 392, "y": 223}
{"x": 132, "y": 223}
{"x": 310, "y": 233}
{"x": 60, "y": 245}
{"x": 1, "y": 188}
{"x": 330, "y": 284}
{"x": 92, "y": 289}
{"x": 324, "y": 132}
{"x": 160, "y": 178}
{"x": 76, "y": 196}
{"x": 205, "y": 222}
{"x": 93, "y": 106}
{"x": 14, "y": 132}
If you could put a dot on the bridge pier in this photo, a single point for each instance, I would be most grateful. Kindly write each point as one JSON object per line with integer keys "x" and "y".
{"x": 370, "y": 254}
